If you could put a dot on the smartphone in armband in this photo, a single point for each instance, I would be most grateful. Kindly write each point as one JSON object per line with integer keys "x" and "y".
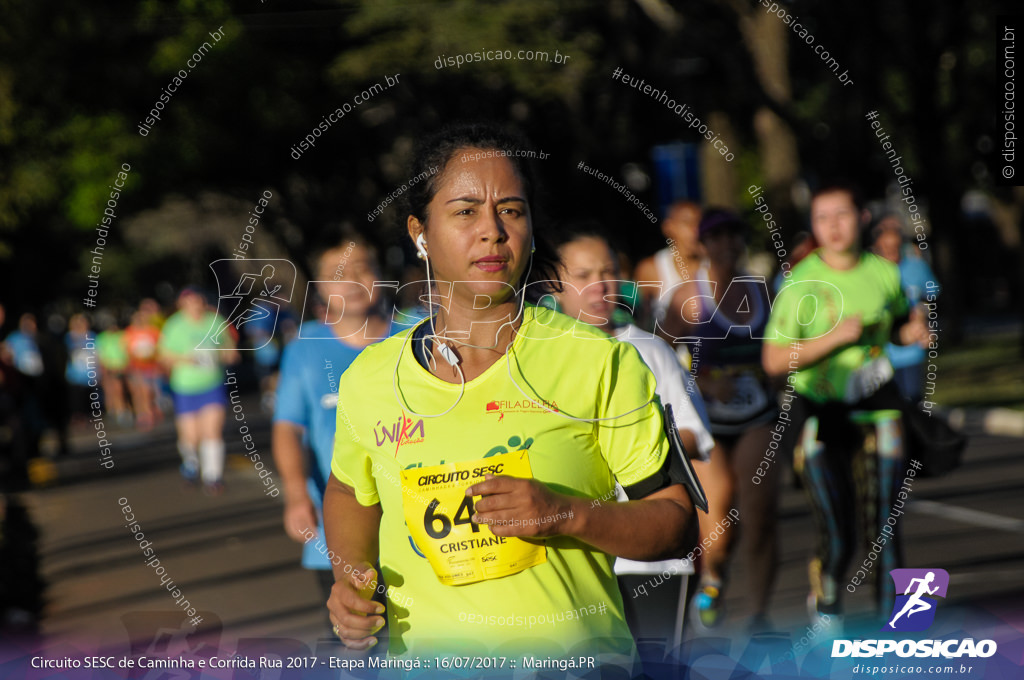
{"x": 680, "y": 468}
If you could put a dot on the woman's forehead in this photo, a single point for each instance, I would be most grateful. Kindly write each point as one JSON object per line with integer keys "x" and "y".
{"x": 477, "y": 175}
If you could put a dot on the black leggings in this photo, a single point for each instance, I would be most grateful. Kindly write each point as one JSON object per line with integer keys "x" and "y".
{"x": 850, "y": 458}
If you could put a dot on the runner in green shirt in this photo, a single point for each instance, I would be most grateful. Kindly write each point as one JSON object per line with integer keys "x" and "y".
{"x": 113, "y": 359}
{"x": 197, "y": 382}
{"x": 828, "y": 330}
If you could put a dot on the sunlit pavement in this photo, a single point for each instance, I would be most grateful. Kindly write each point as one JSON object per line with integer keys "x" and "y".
{"x": 229, "y": 557}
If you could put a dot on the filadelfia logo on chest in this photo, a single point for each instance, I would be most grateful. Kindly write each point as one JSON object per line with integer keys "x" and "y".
{"x": 503, "y": 406}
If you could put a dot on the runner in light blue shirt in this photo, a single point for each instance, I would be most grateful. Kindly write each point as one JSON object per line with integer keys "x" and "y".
{"x": 349, "y": 318}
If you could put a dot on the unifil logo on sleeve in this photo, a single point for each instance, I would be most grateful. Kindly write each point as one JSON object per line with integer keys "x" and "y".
{"x": 917, "y": 593}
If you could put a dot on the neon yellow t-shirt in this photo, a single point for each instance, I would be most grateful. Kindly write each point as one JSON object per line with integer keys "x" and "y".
{"x": 566, "y": 604}
{"x": 813, "y": 302}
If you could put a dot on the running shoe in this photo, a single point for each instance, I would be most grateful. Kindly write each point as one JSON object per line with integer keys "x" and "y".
{"x": 708, "y": 610}
{"x": 213, "y": 488}
{"x": 189, "y": 473}
{"x": 823, "y": 607}
{"x": 829, "y": 622}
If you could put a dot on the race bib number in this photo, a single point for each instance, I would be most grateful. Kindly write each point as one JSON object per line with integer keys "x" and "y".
{"x": 80, "y": 358}
{"x": 748, "y": 399}
{"x": 29, "y": 362}
{"x": 439, "y": 516}
{"x": 866, "y": 380}
{"x": 205, "y": 359}
{"x": 144, "y": 348}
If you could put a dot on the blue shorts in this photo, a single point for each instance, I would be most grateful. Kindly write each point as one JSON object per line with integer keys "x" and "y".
{"x": 190, "y": 403}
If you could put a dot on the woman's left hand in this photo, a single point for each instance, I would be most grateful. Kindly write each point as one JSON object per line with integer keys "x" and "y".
{"x": 915, "y": 331}
{"x": 522, "y": 507}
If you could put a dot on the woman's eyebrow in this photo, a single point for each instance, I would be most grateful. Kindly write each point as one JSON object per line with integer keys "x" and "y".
{"x": 477, "y": 201}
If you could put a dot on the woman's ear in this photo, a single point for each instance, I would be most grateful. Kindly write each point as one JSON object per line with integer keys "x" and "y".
{"x": 414, "y": 227}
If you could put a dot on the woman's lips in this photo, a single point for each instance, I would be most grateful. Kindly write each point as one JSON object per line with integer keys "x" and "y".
{"x": 491, "y": 264}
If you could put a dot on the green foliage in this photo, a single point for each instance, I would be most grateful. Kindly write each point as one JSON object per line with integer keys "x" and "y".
{"x": 97, "y": 148}
{"x": 397, "y": 37}
{"x": 76, "y": 80}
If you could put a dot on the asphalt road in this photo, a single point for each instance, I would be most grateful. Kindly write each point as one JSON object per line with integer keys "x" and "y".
{"x": 231, "y": 560}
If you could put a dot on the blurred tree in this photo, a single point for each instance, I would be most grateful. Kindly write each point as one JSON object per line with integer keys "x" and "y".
{"x": 929, "y": 72}
{"x": 76, "y": 81}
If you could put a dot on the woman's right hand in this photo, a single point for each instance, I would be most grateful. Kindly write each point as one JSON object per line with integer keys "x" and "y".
{"x": 354, "y": 615}
{"x": 299, "y": 518}
{"x": 848, "y": 331}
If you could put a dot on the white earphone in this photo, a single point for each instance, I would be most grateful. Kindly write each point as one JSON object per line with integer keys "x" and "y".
{"x": 448, "y": 354}
{"x": 443, "y": 348}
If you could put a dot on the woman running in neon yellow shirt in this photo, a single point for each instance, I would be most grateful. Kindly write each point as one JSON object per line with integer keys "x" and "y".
{"x": 470, "y": 448}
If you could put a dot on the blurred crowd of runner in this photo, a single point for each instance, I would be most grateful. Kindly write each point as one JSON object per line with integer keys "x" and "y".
{"x": 695, "y": 301}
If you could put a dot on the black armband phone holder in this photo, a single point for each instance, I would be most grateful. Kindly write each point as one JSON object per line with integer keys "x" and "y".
{"x": 676, "y": 469}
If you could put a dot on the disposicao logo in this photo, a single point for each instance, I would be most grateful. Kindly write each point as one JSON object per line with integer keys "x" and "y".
{"x": 913, "y": 610}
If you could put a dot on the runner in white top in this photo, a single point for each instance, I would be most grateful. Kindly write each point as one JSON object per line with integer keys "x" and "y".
{"x": 590, "y": 275}
{"x": 589, "y": 288}
{"x": 664, "y": 271}
{"x": 675, "y": 387}
{"x": 667, "y": 263}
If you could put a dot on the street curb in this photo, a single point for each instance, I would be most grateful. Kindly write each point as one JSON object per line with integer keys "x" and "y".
{"x": 1001, "y": 422}
{"x": 1004, "y": 421}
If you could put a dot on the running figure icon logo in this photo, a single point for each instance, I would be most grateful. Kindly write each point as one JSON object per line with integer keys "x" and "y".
{"x": 914, "y": 610}
{"x": 255, "y": 299}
